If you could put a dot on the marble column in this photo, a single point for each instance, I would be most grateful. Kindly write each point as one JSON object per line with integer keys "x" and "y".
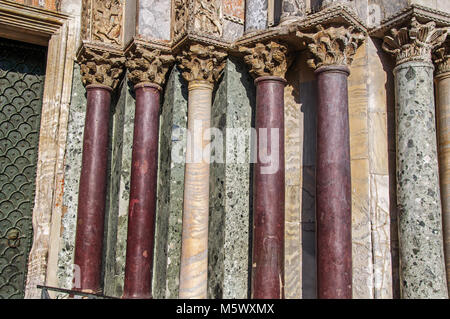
{"x": 442, "y": 81}
{"x": 292, "y": 10}
{"x": 333, "y": 188}
{"x": 147, "y": 69}
{"x": 268, "y": 64}
{"x": 95, "y": 66}
{"x": 256, "y": 15}
{"x": 422, "y": 267}
{"x": 202, "y": 67}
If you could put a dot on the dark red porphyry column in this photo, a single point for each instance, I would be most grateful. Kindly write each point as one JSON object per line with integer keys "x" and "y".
{"x": 92, "y": 191}
{"x": 268, "y": 196}
{"x": 333, "y": 180}
{"x": 142, "y": 207}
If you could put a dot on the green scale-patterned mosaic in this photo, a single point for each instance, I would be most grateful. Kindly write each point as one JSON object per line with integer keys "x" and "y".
{"x": 22, "y": 71}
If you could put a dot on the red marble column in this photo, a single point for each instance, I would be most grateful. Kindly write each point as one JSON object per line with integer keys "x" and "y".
{"x": 268, "y": 196}
{"x": 142, "y": 207}
{"x": 92, "y": 191}
{"x": 333, "y": 190}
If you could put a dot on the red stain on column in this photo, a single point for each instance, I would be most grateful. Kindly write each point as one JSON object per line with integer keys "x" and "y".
{"x": 141, "y": 218}
{"x": 333, "y": 190}
{"x": 268, "y": 197}
{"x": 92, "y": 191}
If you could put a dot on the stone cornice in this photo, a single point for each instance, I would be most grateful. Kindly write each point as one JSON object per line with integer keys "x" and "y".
{"x": 201, "y": 63}
{"x": 267, "y": 59}
{"x": 337, "y": 15}
{"x": 402, "y": 18}
{"x": 147, "y": 65}
{"x": 99, "y": 65}
{"x": 415, "y": 42}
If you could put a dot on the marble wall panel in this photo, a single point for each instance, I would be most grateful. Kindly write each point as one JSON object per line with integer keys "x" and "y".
{"x": 154, "y": 18}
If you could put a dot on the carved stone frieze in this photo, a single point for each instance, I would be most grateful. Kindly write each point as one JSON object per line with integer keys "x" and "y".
{"x": 202, "y": 63}
{"x": 180, "y": 14}
{"x": 414, "y": 43}
{"x": 99, "y": 67}
{"x": 267, "y": 59}
{"x": 441, "y": 59}
{"x": 332, "y": 46}
{"x": 198, "y": 16}
{"x": 207, "y": 16}
{"x": 102, "y": 21}
{"x": 148, "y": 65}
{"x": 292, "y": 10}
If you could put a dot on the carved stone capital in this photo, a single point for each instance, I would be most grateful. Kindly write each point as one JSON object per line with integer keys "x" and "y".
{"x": 332, "y": 46}
{"x": 441, "y": 59}
{"x": 202, "y": 63}
{"x": 147, "y": 65}
{"x": 414, "y": 43}
{"x": 99, "y": 67}
{"x": 267, "y": 59}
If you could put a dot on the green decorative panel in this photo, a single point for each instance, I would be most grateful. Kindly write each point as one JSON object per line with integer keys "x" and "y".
{"x": 22, "y": 70}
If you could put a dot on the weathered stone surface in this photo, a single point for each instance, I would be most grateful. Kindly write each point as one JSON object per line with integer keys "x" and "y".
{"x": 170, "y": 188}
{"x": 74, "y": 150}
{"x": 420, "y": 224}
{"x": 154, "y": 19}
{"x": 255, "y": 15}
{"x": 229, "y": 239}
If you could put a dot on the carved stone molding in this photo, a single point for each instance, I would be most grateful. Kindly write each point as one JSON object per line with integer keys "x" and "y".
{"x": 332, "y": 46}
{"x": 102, "y": 21}
{"x": 267, "y": 59}
{"x": 202, "y": 63}
{"x": 414, "y": 43}
{"x": 99, "y": 67}
{"x": 441, "y": 59}
{"x": 147, "y": 65}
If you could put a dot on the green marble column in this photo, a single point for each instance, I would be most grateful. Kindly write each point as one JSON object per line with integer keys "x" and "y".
{"x": 422, "y": 270}
{"x": 229, "y": 200}
{"x": 168, "y": 226}
{"x": 116, "y": 223}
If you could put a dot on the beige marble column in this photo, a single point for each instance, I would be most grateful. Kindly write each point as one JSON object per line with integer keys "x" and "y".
{"x": 202, "y": 66}
{"x": 442, "y": 80}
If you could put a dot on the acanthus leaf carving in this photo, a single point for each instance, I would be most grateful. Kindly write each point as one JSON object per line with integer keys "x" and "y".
{"x": 414, "y": 43}
{"x": 441, "y": 58}
{"x": 98, "y": 67}
{"x": 332, "y": 46}
{"x": 148, "y": 65}
{"x": 267, "y": 59}
{"x": 202, "y": 63}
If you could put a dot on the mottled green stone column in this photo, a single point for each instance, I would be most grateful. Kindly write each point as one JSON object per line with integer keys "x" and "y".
{"x": 229, "y": 183}
{"x": 418, "y": 197}
{"x": 172, "y": 141}
{"x": 422, "y": 269}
